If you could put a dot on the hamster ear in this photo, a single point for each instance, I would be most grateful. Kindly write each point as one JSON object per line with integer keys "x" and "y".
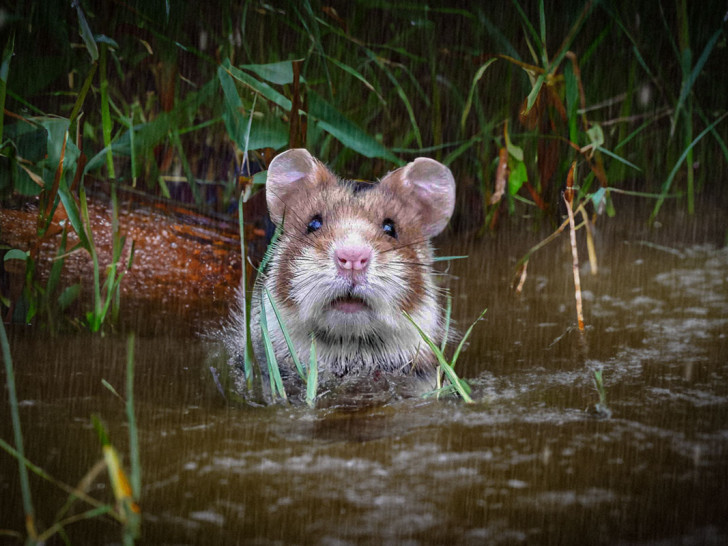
{"x": 285, "y": 175}
{"x": 430, "y": 186}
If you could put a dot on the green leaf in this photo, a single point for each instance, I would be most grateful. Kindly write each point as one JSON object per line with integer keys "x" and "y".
{"x": 68, "y": 296}
{"x": 85, "y": 31}
{"x": 15, "y": 254}
{"x": 268, "y": 132}
{"x": 533, "y": 95}
{"x": 596, "y": 135}
{"x": 469, "y": 102}
{"x": 517, "y": 177}
{"x": 279, "y": 73}
{"x": 257, "y": 86}
{"x": 345, "y": 131}
{"x": 688, "y": 84}
{"x": 516, "y": 152}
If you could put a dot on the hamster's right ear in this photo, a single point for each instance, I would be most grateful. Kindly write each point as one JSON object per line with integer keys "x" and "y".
{"x": 285, "y": 173}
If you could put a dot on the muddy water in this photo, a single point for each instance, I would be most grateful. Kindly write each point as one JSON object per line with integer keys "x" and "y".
{"x": 529, "y": 463}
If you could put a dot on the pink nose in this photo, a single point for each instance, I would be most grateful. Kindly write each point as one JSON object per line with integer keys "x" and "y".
{"x": 352, "y": 259}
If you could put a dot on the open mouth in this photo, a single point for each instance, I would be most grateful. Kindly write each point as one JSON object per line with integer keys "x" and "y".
{"x": 349, "y": 304}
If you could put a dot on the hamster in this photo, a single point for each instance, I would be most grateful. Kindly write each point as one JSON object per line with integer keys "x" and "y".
{"x": 351, "y": 257}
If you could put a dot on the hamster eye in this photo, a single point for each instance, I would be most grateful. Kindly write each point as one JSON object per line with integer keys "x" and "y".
{"x": 388, "y": 228}
{"x": 315, "y": 224}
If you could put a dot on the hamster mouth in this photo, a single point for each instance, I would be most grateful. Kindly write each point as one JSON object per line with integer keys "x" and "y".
{"x": 349, "y": 304}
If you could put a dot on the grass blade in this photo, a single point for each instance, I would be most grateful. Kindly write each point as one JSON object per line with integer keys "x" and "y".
{"x": 17, "y": 433}
{"x": 289, "y": 342}
{"x": 668, "y": 183}
{"x": 469, "y": 102}
{"x": 312, "y": 380}
{"x": 136, "y": 468}
{"x": 274, "y": 372}
{"x": 465, "y": 337}
{"x": 688, "y": 84}
{"x": 4, "y": 71}
{"x": 449, "y": 371}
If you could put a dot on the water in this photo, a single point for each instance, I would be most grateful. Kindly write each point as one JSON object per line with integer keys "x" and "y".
{"x": 529, "y": 463}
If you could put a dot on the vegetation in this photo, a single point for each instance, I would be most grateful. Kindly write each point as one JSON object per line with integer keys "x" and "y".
{"x": 125, "y": 511}
{"x": 187, "y": 101}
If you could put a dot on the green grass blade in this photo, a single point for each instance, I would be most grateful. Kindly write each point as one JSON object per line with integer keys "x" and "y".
{"x": 274, "y": 372}
{"x": 688, "y": 84}
{"x": 289, "y": 342}
{"x": 465, "y": 338}
{"x": 533, "y": 95}
{"x": 542, "y": 29}
{"x": 446, "y": 326}
{"x": 529, "y": 27}
{"x": 248, "y": 353}
{"x": 668, "y": 182}
{"x": 449, "y": 372}
{"x": 17, "y": 431}
{"x": 4, "y": 72}
{"x": 312, "y": 380}
{"x": 618, "y": 158}
{"x": 105, "y": 113}
{"x": 136, "y": 467}
{"x": 353, "y": 72}
{"x": 82, "y": 93}
{"x": 85, "y": 32}
{"x": 469, "y": 101}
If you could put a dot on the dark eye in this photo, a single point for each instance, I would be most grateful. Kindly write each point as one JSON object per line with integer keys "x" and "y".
{"x": 388, "y": 228}
{"x": 315, "y": 224}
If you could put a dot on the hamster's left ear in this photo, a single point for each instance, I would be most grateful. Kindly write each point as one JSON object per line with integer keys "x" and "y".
{"x": 430, "y": 186}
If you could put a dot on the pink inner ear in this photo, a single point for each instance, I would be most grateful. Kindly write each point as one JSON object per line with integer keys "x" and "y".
{"x": 285, "y": 173}
{"x": 434, "y": 187}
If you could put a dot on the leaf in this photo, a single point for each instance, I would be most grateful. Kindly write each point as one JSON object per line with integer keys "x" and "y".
{"x": 15, "y": 254}
{"x": 279, "y": 73}
{"x": 270, "y": 132}
{"x": 688, "y": 84}
{"x": 469, "y": 102}
{"x": 533, "y": 95}
{"x": 68, "y": 296}
{"x": 517, "y": 177}
{"x": 257, "y": 86}
{"x": 345, "y": 131}
{"x": 515, "y": 151}
{"x": 596, "y": 135}
{"x": 85, "y": 31}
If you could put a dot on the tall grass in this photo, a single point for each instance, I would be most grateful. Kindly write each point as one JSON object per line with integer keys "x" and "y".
{"x": 508, "y": 99}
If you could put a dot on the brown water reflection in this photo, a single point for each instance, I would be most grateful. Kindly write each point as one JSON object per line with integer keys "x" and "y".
{"x": 527, "y": 464}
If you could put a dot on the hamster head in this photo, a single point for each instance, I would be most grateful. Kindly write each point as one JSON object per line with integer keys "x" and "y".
{"x": 352, "y": 256}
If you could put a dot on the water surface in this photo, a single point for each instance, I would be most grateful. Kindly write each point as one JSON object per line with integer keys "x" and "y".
{"x": 529, "y": 463}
